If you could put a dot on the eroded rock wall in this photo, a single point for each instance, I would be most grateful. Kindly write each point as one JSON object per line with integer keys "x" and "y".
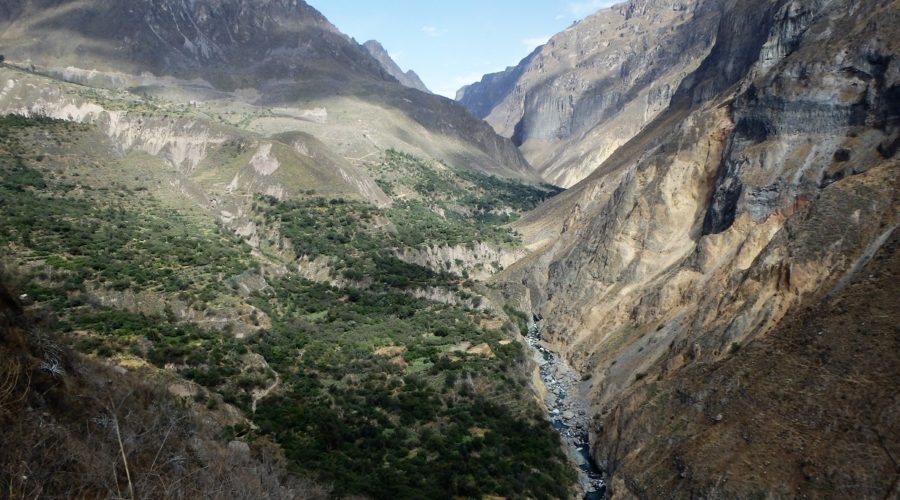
{"x": 478, "y": 261}
{"x": 769, "y": 181}
{"x": 183, "y": 143}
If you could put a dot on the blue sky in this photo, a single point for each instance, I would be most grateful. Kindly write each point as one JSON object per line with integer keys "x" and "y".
{"x": 453, "y": 43}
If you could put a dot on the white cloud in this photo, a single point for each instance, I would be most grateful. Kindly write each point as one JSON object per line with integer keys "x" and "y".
{"x": 396, "y": 56}
{"x": 535, "y": 41}
{"x": 433, "y": 31}
{"x": 587, "y": 7}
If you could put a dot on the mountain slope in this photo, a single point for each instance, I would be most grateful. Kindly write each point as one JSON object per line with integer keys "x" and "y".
{"x": 297, "y": 240}
{"x": 768, "y": 183}
{"x": 409, "y": 78}
{"x": 234, "y": 56}
{"x": 86, "y": 416}
{"x": 810, "y": 409}
{"x": 313, "y": 318}
{"x": 231, "y": 43}
{"x": 594, "y": 86}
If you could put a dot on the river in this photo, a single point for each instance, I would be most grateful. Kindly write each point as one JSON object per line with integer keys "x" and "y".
{"x": 568, "y": 412}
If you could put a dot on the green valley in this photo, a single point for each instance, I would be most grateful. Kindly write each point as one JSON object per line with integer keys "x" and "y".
{"x": 388, "y": 378}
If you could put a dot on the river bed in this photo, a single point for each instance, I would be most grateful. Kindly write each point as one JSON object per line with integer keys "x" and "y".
{"x": 568, "y": 412}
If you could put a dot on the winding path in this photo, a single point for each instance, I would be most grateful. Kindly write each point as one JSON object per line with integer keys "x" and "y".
{"x": 260, "y": 395}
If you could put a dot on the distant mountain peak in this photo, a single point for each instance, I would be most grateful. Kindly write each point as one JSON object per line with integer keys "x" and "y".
{"x": 230, "y": 43}
{"x": 408, "y": 78}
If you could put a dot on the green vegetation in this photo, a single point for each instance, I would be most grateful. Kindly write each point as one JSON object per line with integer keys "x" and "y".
{"x": 424, "y": 419}
{"x": 418, "y": 226}
{"x": 468, "y": 189}
{"x": 440, "y": 205}
{"x": 71, "y": 241}
{"x": 379, "y": 392}
{"x": 519, "y": 317}
{"x": 113, "y": 238}
{"x": 354, "y": 236}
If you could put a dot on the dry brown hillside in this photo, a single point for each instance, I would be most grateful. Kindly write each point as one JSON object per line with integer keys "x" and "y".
{"x": 809, "y": 411}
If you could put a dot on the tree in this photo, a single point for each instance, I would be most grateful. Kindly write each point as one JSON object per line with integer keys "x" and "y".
{"x": 2, "y": 59}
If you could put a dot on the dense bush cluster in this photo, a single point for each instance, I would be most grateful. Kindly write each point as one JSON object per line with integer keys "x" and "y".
{"x": 93, "y": 236}
{"x": 425, "y": 418}
{"x": 453, "y": 206}
{"x": 381, "y": 394}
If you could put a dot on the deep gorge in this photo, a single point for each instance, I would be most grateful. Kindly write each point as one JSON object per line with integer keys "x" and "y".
{"x": 655, "y": 259}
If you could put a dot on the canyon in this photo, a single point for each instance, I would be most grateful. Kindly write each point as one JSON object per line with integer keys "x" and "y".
{"x": 391, "y": 292}
{"x": 763, "y": 189}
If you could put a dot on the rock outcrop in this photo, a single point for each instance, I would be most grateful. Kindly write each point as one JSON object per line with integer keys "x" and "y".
{"x": 407, "y": 78}
{"x": 764, "y": 188}
{"x": 477, "y": 260}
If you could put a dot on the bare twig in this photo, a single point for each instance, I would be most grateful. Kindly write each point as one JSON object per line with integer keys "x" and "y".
{"x": 113, "y": 410}
{"x": 8, "y": 386}
{"x": 161, "y": 446}
{"x": 116, "y": 478}
{"x": 124, "y": 458}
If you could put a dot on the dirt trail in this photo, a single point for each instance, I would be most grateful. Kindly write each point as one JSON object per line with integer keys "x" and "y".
{"x": 259, "y": 395}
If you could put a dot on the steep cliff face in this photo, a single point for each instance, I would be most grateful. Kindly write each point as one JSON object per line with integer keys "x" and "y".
{"x": 770, "y": 181}
{"x": 596, "y": 85}
{"x": 407, "y": 78}
{"x": 477, "y": 260}
{"x": 809, "y": 409}
{"x": 482, "y": 97}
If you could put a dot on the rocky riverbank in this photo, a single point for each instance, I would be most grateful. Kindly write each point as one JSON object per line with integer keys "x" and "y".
{"x": 568, "y": 413}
